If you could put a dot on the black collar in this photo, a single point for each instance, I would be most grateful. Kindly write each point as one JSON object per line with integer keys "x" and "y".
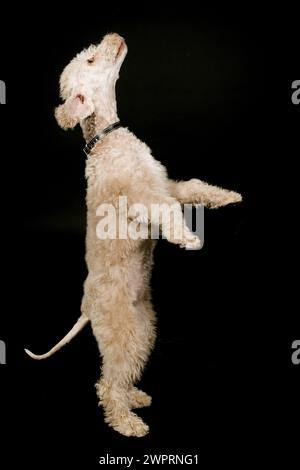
{"x": 91, "y": 144}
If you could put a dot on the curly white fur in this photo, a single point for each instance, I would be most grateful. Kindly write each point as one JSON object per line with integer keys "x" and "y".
{"x": 117, "y": 297}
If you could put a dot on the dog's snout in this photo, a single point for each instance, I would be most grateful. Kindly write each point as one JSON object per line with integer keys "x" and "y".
{"x": 112, "y": 46}
{"x": 114, "y": 35}
{"x": 114, "y": 38}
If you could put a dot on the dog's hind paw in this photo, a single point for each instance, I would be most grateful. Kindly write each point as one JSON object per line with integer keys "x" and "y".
{"x": 138, "y": 398}
{"x": 130, "y": 425}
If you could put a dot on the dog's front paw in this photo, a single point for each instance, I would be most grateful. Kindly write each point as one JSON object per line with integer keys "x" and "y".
{"x": 225, "y": 197}
{"x": 233, "y": 197}
{"x": 191, "y": 242}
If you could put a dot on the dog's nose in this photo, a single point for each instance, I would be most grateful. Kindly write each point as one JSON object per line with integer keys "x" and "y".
{"x": 114, "y": 35}
{"x": 113, "y": 39}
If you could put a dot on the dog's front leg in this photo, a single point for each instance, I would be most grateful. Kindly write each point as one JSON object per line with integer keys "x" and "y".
{"x": 196, "y": 191}
{"x": 165, "y": 212}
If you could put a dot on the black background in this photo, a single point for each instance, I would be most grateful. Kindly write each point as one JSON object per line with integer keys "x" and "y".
{"x": 208, "y": 90}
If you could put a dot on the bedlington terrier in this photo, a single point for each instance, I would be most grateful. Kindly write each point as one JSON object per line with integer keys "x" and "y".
{"x": 117, "y": 298}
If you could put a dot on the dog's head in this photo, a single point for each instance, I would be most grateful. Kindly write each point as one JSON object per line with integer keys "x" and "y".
{"x": 87, "y": 84}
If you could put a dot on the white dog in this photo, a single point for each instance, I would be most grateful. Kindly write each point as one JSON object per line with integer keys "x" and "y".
{"x": 117, "y": 299}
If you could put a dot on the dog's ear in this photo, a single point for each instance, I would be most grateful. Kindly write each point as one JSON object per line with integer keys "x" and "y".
{"x": 75, "y": 109}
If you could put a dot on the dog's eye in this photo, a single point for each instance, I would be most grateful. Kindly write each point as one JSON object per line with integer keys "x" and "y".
{"x": 91, "y": 60}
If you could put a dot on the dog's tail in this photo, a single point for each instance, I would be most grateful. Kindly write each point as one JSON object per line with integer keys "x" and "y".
{"x": 81, "y": 322}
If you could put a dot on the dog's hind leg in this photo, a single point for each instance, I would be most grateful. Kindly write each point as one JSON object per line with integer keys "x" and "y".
{"x": 123, "y": 341}
{"x": 138, "y": 398}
